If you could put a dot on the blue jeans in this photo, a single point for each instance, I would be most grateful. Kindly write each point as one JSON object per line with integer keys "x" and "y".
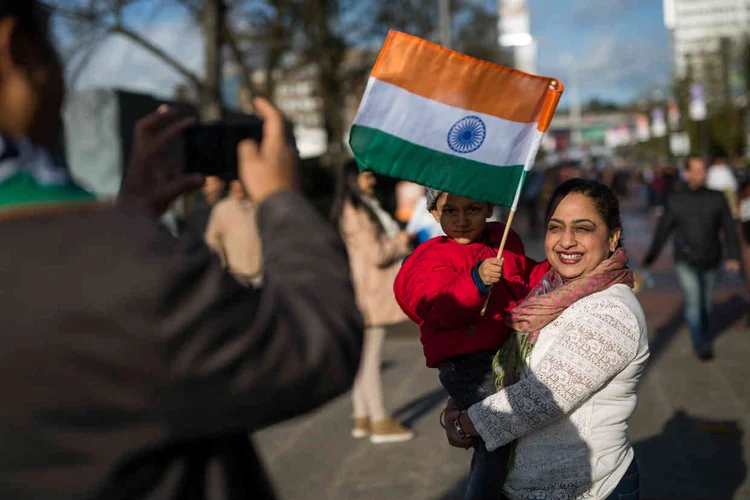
{"x": 628, "y": 488}
{"x": 697, "y": 288}
{"x": 469, "y": 379}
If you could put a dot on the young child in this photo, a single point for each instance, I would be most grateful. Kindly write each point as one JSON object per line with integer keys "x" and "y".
{"x": 443, "y": 286}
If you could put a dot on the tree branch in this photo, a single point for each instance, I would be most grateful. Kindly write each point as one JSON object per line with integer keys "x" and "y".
{"x": 166, "y": 58}
{"x": 239, "y": 58}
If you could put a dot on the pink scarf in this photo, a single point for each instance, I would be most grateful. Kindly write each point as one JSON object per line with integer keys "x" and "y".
{"x": 544, "y": 304}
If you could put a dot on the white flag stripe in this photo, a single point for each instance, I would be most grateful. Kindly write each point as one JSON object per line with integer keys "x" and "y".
{"x": 425, "y": 122}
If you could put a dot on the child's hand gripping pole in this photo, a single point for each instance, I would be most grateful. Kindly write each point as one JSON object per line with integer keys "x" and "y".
{"x": 500, "y": 253}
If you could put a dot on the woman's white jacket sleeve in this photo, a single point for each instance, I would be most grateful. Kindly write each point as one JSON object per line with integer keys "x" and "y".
{"x": 596, "y": 340}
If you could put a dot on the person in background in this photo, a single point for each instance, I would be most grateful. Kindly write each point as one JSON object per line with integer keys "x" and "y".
{"x": 232, "y": 233}
{"x": 422, "y": 223}
{"x": 122, "y": 353}
{"x": 697, "y": 216}
{"x": 529, "y": 203}
{"x": 744, "y": 215}
{"x": 721, "y": 177}
{"x": 196, "y": 221}
{"x": 744, "y": 211}
{"x": 407, "y": 195}
{"x": 741, "y": 167}
{"x": 376, "y": 246}
{"x": 660, "y": 187}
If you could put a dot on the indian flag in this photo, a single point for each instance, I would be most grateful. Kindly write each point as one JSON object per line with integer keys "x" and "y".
{"x": 451, "y": 122}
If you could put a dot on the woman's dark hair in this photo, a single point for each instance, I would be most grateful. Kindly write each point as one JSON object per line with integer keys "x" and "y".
{"x": 31, "y": 46}
{"x": 347, "y": 190}
{"x": 603, "y": 197}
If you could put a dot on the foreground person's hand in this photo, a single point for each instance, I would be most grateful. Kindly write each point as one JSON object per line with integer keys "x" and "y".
{"x": 154, "y": 180}
{"x": 270, "y": 167}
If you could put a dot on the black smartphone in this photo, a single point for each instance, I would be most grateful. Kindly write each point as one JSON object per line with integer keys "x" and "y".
{"x": 211, "y": 149}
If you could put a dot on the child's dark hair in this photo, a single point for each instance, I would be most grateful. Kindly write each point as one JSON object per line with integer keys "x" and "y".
{"x": 347, "y": 190}
{"x": 604, "y": 199}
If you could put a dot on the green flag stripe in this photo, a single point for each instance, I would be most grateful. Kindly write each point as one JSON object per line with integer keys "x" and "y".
{"x": 388, "y": 155}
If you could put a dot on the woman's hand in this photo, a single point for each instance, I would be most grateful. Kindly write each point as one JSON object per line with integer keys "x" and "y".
{"x": 491, "y": 271}
{"x": 451, "y": 413}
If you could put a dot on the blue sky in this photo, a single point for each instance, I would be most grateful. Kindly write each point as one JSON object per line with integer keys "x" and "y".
{"x": 620, "y": 48}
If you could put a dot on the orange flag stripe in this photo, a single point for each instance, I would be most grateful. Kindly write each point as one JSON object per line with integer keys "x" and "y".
{"x": 436, "y": 73}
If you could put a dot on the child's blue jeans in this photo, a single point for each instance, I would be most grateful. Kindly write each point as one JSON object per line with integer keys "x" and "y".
{"x": 469, "y": 379}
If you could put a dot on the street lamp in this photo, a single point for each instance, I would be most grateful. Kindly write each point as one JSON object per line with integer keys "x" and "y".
{"x": 445, "y": 23}
{"x": 516, "y": 40}
{"x": 576, "y": 136}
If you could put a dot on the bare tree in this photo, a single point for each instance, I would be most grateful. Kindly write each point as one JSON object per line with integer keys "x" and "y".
{"x": 213, "y": 32}
{"x": 105, "y": 18}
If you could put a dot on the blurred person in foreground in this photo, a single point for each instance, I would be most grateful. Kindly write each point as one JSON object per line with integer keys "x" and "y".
{"x": 131, "y": 367}
{"x": 697, "y": 216}
{"x": 232, "y": 233}
{"x": 376, "y": 247}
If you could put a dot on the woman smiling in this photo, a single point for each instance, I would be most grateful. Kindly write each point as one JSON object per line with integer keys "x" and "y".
{"x": 568, "y": 377}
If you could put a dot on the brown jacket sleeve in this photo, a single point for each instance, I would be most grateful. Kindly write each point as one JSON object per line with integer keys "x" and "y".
{"x": 245, "y": 358}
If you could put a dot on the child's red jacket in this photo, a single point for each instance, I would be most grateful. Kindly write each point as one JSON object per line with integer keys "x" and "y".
{"x": 436, "y": 289}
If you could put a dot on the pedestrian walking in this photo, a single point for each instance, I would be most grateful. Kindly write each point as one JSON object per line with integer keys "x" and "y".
{"x": 422, "y": 223}
{"x": 196, "y": 221}
{"x": 570, "y": 372}
{"x": 697, "y": 217}
{"x": 232, "y": 233}
{"x": 123, "y": 354}
{"x": 443, "y": 288}
{"x": 376, "y": 246}
{"x": 721, "y": 177}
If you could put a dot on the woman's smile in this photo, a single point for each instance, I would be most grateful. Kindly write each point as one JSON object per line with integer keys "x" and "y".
{"x": 569, "y": 258}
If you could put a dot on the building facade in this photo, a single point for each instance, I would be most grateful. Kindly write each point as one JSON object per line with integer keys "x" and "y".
{"x": 297, "y": 93}
{"x": 514, "y": 28}
{"x": 698, "y": 27}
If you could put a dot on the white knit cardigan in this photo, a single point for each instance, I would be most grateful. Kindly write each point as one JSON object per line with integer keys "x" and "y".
{"x": 570, "y": 409}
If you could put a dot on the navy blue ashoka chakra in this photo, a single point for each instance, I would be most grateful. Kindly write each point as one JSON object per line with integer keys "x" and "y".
{"x": 467, "y": 134}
